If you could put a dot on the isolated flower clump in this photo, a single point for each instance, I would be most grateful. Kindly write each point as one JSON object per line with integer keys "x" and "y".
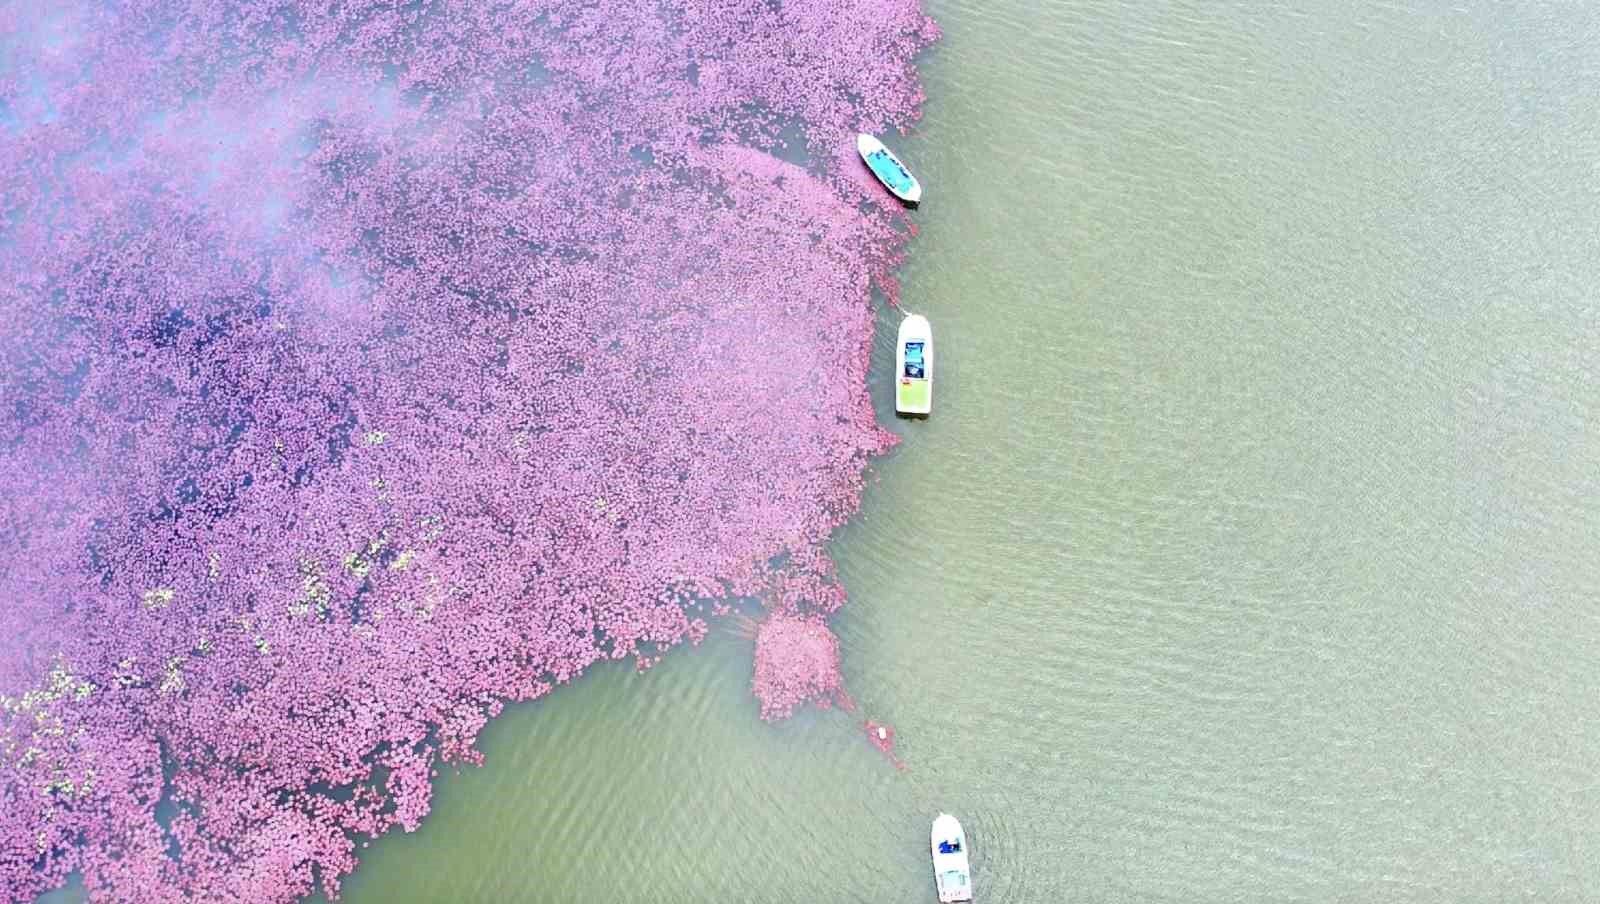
{"x": 797, "y": 660}
{"x": 368, "y": 365}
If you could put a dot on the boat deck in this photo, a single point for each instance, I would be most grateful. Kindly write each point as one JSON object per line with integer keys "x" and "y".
{"x": 913, "y": 396}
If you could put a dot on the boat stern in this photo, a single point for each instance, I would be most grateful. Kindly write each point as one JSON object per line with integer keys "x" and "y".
{"x": 913, "y": 398}
{"x": 954, "y": 896}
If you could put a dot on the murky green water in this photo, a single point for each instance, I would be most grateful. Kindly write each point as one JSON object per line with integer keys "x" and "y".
{"x": 1253, "y": 550}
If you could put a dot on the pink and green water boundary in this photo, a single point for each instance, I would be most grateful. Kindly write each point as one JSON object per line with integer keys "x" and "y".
{"x": 369, "y": 366}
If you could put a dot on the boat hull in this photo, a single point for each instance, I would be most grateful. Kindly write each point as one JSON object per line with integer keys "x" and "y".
{"x": 952, "y": 873}
{"x": 894, "y": 175}
{"x": 913, "y": 367}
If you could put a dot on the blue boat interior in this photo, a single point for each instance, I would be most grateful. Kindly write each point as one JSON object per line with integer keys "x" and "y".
{"x": 914, "y": 364}
{"x": 890, "y": 171}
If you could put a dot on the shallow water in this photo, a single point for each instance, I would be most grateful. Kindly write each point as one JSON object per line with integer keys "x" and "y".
{"x": 1249, "y": 554}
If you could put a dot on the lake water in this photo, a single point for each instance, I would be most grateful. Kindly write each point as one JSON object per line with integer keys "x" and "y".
{"x": 1253, "y": 550}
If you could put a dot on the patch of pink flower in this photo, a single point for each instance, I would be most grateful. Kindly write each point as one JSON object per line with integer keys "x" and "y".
{"x": 881, "y": 736}
{"x": 797, "y": 661}
{"x": 370, "y": 365}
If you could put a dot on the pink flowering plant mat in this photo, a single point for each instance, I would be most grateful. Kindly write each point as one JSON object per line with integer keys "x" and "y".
{"x": 367, "y": 365}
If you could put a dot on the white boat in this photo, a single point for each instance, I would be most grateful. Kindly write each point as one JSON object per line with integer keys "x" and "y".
{"x": 951, "y": 872}
{"x": 913, "y": 367}
{"x": 889, "y": 170}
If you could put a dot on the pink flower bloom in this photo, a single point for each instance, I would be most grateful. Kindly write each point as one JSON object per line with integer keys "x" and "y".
{"x": 365, "y": 369}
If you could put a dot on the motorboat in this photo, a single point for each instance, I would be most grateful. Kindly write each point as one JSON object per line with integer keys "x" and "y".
{"x": 951, "y": 871}
{"x": 889, "y": 170}
{"x": 913, "y": 367}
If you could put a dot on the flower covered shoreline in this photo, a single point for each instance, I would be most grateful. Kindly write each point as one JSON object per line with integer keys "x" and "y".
{"x": 370, "y": 365}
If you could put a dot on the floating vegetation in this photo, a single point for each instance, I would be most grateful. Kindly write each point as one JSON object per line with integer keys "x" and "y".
{"x": 618, "y": 348}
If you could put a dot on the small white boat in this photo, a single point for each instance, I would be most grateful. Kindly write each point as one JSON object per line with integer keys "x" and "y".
{"x": 951, "y": 871}
{"x": 913, "y": 367}
{"x": 889, "y": 170}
